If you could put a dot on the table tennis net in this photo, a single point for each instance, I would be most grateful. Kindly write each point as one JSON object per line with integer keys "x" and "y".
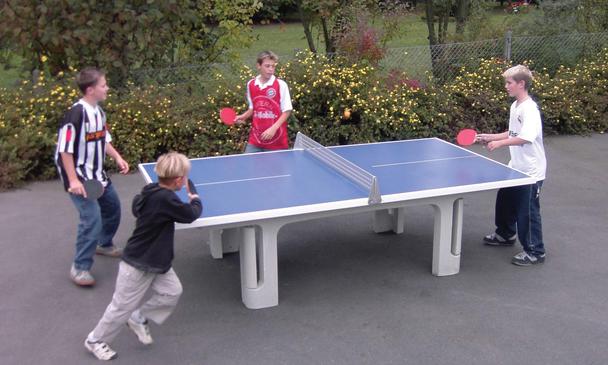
{"x": 346, "y": 168}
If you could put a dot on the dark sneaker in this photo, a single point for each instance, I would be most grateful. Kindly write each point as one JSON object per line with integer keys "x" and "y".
{"x": 111, "y": 251}
{"x": 525, "y": 259}
{"x": 81, "y": 277}
{"x": 101, "y": 350}
{"x": 496, "y": 240}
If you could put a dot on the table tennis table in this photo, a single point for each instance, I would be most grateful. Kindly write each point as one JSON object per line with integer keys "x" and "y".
{"x": 248, "y": 198}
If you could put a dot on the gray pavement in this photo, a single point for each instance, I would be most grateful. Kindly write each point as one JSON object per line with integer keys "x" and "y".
{"x": 347, "y": 296}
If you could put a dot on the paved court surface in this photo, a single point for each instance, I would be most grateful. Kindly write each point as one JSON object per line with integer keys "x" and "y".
{"x": 347, "y": 295}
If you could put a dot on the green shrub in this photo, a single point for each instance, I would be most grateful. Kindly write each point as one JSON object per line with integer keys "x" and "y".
{"x": 335, "y": 102}
{"x": 29, "y": 118}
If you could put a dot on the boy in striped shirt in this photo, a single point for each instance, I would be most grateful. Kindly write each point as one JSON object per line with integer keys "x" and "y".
{"x": 83, "y": 141}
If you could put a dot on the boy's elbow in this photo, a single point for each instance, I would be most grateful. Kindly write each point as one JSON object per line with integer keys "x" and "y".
{"x": 196, "y": 211}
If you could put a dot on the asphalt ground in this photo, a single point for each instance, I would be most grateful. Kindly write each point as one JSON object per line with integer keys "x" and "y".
{"x": 347, "y": 295}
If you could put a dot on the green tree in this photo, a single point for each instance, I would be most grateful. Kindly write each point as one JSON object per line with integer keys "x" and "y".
{"x": 335, "y": 19}
{"x": 321, "y": 14}
{"x": 470, "y": 17}
{"x": 594, "y": 15}
{"x": 122, "y": 35}
{"x": 566, "y": 16}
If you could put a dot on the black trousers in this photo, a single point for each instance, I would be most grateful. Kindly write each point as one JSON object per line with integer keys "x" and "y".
{"x": 518, "y": 211}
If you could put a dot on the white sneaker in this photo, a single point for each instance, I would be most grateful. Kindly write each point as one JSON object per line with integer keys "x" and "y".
{"x": 81, "y": 277}
{"x": 111, "y": 251}
{"x": 142, "y": 330}
{"x": 101, "y": 350}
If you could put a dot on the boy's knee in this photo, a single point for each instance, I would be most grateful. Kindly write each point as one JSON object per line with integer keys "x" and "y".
{"x": 177, "y": 290}
{"x": 174, "y": 292}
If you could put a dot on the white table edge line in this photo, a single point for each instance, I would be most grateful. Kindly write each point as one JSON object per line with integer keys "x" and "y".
{"x": 423, "y": 161}
{"x": 228, "y": 156}
{"x": 144, "y": 173}
{"x": 482, "y": 156}
{"x": 382, "y": 142}
{"x": 243, "y": 180}
{"x": 299, "y": 149}
{"x": 277, "y": 213}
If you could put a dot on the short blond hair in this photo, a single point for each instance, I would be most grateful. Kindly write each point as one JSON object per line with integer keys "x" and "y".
{"x": 267, "y": 55}
{"x": 171, "y": 165}
{"x": 520, "y": 73}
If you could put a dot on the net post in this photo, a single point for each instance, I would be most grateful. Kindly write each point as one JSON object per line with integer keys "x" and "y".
{"x": 298, "y": 145}
{"x": 348, "y": 169}
{"x": 374, "y": 192}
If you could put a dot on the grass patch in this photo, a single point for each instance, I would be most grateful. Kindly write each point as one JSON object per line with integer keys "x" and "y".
{"x": 286, "y": 38}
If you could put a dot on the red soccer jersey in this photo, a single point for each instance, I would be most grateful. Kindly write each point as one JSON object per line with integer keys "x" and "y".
{"x": 266, "y": 111}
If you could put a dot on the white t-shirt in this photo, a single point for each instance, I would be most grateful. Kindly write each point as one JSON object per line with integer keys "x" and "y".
{"x": 525, "y": 123}
{"x": 283, "y": 90}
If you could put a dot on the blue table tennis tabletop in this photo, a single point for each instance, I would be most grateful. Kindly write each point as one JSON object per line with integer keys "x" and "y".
{"x": 407, "y": 169}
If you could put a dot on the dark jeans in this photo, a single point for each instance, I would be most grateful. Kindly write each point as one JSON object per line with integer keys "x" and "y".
{"x": 99, "y": 220}
{"x": 518, "y": 211}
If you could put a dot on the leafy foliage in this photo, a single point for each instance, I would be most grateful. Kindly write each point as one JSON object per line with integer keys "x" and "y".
{"x": 335, "y": 102}
{"x": 121, "y": 36}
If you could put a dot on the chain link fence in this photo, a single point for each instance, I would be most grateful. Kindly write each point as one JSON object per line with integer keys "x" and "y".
{"x": 445, "y": 60}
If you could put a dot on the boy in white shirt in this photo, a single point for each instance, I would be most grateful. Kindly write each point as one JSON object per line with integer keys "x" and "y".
{"x": 518, "y": 208}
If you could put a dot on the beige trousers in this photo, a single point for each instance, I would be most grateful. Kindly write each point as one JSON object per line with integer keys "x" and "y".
{"x": 131, "y": 287}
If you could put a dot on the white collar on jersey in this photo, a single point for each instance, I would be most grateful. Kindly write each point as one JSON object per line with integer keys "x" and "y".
{"x": 266, "y": 84}
{"x": 93, "y": 115}
{"x": 88, "y": 107}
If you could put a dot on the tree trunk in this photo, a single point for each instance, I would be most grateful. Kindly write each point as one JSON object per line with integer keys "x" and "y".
{"x": 462, "y": 9}
{"x": 430, "y": 22}
{"x": 433, "y": 48}
{"x": 307, "y": 28}
{"x": 329, "y": 43}
{"x": 443, "y": 27}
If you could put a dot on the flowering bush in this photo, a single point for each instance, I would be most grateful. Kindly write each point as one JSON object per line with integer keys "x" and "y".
{"x": 517, "y": 7}
{"x": 335, "y": 102}
{"x": 28, "y": 125}
{"x": 361, "y": 42}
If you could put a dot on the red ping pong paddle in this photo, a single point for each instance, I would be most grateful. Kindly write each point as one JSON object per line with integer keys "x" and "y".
{"x": 228, "y": 116}
{"x": 93, "y": 188}
{"x": 466, "y": 137}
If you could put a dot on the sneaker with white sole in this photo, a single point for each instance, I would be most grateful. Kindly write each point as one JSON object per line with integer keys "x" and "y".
{"x": 142, "y": 330}
{"x": 111, "y": 251}
{"x": 525, "y": 259}
{"x": 81, "y": 277}
{"x": 101, "y": 350}
{"x": 497, "y": 240}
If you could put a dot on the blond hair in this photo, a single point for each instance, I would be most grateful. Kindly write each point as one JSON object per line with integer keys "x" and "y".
{"x": 520, "y": 73}
{"x": 267, "y": 55}
{"x": 171, "y": 165}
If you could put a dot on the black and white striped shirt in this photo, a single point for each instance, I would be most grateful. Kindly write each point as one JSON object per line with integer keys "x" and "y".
{"x": 84, "y": 134}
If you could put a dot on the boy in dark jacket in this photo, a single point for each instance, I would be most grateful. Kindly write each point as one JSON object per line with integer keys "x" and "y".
{"x": 146, "y": 260}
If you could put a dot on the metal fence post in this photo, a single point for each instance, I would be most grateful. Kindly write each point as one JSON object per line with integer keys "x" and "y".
{"x": 508, "y": 39}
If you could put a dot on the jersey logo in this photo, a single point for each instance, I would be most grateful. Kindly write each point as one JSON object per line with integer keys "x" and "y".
{"x": 266, "y": 114}
{"x": 513, "y": 134}
{"x": 95, "y": 136}
{"x": 271, "y": 92}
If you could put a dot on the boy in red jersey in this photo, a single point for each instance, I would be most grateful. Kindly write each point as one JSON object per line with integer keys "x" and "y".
{"x": 270, "y": 105}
